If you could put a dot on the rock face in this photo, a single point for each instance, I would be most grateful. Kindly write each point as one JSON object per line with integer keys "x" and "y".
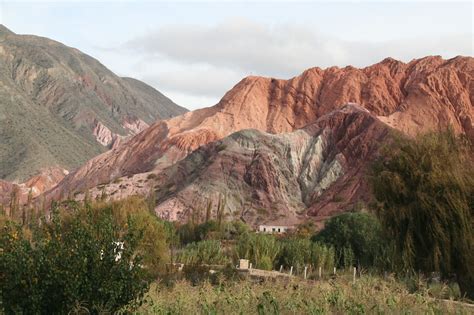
{"x": 283, "y": 178}
{"x": 6, "y": 189}
{"x": 44, "y": 180}
{"x": 425, "y": 94}
{"x": 52, "y": 100}
{"x": 36, "y": 185}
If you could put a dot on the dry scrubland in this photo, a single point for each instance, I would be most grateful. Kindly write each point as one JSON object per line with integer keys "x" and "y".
{"x": 368, "y": 295}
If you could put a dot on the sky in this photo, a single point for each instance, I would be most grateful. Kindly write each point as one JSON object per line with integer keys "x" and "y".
{"x": 194, "y": 51}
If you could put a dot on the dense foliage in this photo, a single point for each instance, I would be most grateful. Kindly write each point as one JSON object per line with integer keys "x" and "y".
{"x": 102, "y": 256}
{"x": 260, "y": 249}
{"x": 207, "y": 252}
{"x": 425, "y": 193}
{"x": 356, "y": 237}
{"x": 211, "y": 230}
{"x": 300, "y": 253}
{"x": 97, "y": 257}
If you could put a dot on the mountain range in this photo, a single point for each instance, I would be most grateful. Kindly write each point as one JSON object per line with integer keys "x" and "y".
{"x": 283, "y": 150}
{"x": 60, "y": 107}
{"x": 271, "y": 151}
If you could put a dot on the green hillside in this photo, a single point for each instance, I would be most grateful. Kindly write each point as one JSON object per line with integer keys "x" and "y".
{"x": 51, "y": 98}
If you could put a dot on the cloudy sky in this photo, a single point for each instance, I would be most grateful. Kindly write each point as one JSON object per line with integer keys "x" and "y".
{"x": 195, "y": 51}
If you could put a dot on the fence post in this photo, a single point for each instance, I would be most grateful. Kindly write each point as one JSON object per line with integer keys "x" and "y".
{"x": 281, "y": 268}
{"x": 305, "y": 269}
{"x": 291, "y": 270}
{"x": 334, "y": 270}
{"x": 354, "y": 275}
{"x": 250, "y": 266}
{"x": 320, "y": 273}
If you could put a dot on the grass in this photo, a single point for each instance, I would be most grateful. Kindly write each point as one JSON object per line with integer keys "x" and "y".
{"x": 369, "y": 294}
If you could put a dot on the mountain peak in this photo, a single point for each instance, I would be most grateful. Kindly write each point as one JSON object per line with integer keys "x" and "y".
{"x": 5, "y": 31}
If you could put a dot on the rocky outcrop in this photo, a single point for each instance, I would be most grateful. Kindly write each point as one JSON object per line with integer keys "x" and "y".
{"x": 103, "y": 135}
{"x": 43, "y": 181}
{"x": 33, "y": 187}
{"x": 6, "y": 189}
{"x": 109, "y": 139}
{"x": 55, "y": 102}
{"x": 134, "y": 126}
{"x": 316, "y": 171}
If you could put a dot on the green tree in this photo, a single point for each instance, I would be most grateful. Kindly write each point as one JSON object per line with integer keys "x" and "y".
{"x": 295, "y": 252}
{"x": 153, "y": 246}
{"x": 260, "y": 249}
{"x": 322, "y": 256}
{"x": 358, "y": 235}
{"x": 101, "y": 257}
{"x": 425, "y": 193}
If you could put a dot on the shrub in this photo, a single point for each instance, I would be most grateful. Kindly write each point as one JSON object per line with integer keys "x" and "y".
{"x": 151, "y": 176}
{"x": 211, "y": 229}
{"x": 85, "y": 259}
{"x": 99, "y": 256}
{"x": 322, "y": 256}
{"x": 358, "y": 235}
{"x": 260, "y": 249}
{"x": 207, "y": 252}
{"x": 295, "y": 252}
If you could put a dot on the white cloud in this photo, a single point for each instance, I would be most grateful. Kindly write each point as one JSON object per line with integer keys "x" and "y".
{"x": 240, "y": 45}
{"x": 194, "y": 79}
{"x": 280, "y": 49}
{"x": 203, "y": 62}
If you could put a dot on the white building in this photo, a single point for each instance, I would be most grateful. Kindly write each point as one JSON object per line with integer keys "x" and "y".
{"x": 274, "y": 229}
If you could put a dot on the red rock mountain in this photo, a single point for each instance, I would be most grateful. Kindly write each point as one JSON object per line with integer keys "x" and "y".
{"x": 45, "y": 180}
{"x": 424, "y": 94}
{"x": 318, "y": 170}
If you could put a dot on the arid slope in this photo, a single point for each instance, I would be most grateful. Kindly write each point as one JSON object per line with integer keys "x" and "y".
{"x": 59, "y": 106}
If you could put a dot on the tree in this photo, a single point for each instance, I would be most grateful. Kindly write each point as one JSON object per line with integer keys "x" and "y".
{"x": 100, "y": 256}
{"x": 358, "y": 235}
{"x": 425, "y": 193}
{"x": 70, "y": 264}
{"x": 295, "y": 252}
{"x": 153, "y": 246}
{"x": 14, "y": 202}
{"x": 208, "y": 210}
{"x": 221, "y": 207}
{"x": 261, "y": 249}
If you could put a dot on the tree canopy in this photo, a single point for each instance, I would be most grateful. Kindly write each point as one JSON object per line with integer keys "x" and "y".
{"x": 357, "y": 238}
{"x": 425, "y": 193}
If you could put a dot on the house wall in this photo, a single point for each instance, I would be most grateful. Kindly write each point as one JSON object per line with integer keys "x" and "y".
{"x": 273, "y": 228}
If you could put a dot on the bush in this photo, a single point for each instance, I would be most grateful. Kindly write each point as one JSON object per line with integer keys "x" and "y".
{"x": 259, "y": 249}
{"x": 322, "y": 256}
{"x": 207, "y": 252}
{"x": 211, "y": 230}
{"x": 356, "y": 237}
{"x": 299, "y": 253}
{"x": 100, "y": 257}
{"x": 295, "y": 252}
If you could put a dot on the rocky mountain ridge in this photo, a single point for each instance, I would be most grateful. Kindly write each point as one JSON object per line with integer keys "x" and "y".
{"x": 422, "y": 95}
